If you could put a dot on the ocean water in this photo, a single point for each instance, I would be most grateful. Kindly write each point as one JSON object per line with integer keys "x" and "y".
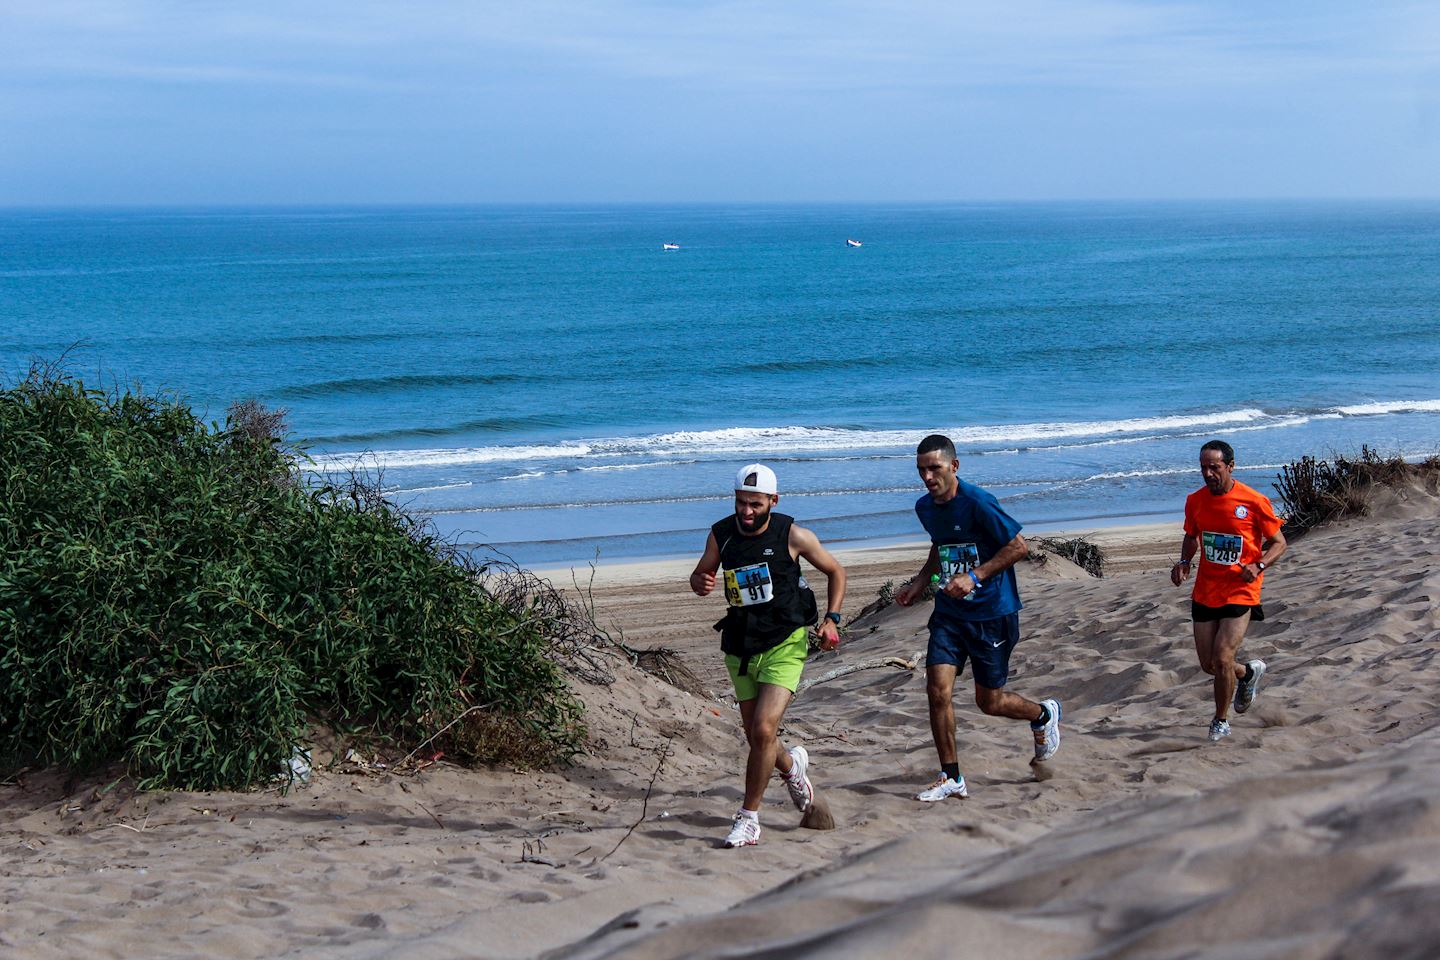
{"x": 551, "y": 384}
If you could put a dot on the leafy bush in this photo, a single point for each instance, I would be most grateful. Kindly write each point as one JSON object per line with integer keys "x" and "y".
{"x": 174, "y": 596}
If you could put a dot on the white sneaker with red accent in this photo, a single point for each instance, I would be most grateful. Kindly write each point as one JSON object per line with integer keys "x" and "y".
{"x": 744, "y": 832}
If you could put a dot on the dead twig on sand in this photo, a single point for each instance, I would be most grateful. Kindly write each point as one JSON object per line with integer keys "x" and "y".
{"x": 531, "y": 854}
{"x": 842, "y": 737}
{"x": 126, "y": 826}
{"x": 432, "y": 816}
{"x": 645, "y": 805}
{"x": 899, "y": 662}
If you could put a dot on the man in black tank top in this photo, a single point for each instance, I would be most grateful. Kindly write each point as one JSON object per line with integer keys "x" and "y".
{"x": 764, "y": 632}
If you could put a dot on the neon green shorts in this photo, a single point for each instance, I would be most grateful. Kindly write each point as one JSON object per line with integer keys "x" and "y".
{"x": 780, "y": 665}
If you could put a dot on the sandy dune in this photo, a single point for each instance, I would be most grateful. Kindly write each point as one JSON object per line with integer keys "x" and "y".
{"x": 1312, "y": 832}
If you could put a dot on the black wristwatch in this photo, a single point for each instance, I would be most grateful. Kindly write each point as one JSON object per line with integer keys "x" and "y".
{"x": 833, "y": 617}
{"x": 1261, "y": 565}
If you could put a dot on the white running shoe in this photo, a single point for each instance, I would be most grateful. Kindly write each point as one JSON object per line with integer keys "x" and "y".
{"x": 1245, "y": 692}
{"x": 744, "y": 832}
{"x": 1047, "y": 737}
{"x": 943, "y": 787}
{"x": 802, "y": 791}
{"x": 1219, "y": 729}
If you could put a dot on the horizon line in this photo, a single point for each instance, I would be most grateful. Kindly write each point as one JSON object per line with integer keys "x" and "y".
{"x": 122, "y": 205}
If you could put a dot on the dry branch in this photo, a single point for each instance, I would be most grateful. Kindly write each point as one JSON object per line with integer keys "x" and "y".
{"x": 916, "y": 659}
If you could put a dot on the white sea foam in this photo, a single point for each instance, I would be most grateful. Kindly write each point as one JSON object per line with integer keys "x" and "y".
{"x": 1390, "y": 406}
{"x": 1130, "y": 474}
{"x": 449, "y": 456}
{"x": 400, "y": 491}
{"x": 790, "y": 440}
{"x": 1167, "y": 472}
{"x": 608, "y": 467}
{"x": 1276, "y": 423}
{"x": 783, "y": 440}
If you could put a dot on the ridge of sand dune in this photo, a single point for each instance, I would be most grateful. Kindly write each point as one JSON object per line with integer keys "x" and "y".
{"x": 1333, "y": 767}
{"x": 1230, "y": 872}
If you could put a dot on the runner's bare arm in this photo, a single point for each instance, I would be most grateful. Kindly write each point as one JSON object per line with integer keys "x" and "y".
{"x": 906, "y": 595}
{"x": 1004, "y": 558}
{"x": 1180, "y": 572}
{"x": 804, "y": 543}
{"x": 1270, "y": 551}
{"x": 702, "y": 580}
{"x": 1278, "y": 544}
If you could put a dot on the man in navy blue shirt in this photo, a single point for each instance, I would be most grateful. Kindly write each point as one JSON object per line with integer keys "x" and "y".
{"x": 974, "y": 547}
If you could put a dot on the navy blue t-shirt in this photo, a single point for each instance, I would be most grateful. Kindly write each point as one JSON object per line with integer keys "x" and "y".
{"x": 968, "y": 530}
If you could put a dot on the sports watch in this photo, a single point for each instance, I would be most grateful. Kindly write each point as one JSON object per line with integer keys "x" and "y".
{"x": 833, "y": 617}
{"x": 1261, "y": 565}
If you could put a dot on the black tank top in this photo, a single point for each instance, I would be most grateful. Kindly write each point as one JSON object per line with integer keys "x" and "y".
{"x": 762, "y": 585}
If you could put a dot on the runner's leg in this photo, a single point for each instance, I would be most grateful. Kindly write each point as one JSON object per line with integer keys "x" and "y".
{"x": 782, "y": 756}
{"x": 989, "y": 644}
{"x": 940, "y": 687}
{"x": 1228, "y": 637}
{"x": 1205, "y": 643}
{"x": 766, "y": 755}
{"x": 1003, "y": 703}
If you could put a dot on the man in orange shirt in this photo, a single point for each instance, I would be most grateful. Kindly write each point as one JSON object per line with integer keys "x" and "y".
{"x": 1237, "y": 534}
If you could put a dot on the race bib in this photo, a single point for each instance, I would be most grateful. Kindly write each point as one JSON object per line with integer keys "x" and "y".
{"x": 957, "y": 558}
{"x": 747, "y": 586}
{"x": 1223, "y": 548}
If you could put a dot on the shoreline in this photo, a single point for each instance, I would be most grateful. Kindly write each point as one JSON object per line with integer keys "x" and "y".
{"x": 629, "y": 571}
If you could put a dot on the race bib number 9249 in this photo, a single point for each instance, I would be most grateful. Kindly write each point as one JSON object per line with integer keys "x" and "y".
{"x": 1223, "y": 548}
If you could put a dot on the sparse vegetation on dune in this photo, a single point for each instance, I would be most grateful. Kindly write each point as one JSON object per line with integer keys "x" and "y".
{"x": 175, "y": 596}
{"x": 1314, "y": 491}
{"x": 1084, "y": 554}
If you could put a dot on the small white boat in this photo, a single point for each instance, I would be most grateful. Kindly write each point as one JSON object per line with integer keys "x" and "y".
{"x": 852, "y": 243}
{"x": 670, "y": 246}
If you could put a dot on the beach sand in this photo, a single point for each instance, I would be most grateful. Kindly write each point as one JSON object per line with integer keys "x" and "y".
{"x": 1314, "y": 831}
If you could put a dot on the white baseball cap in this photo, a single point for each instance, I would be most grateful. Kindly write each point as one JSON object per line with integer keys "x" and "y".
{"x": 756, "y": 478}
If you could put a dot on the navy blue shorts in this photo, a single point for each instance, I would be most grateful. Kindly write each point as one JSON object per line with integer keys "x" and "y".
{"x": 986, "y": 643}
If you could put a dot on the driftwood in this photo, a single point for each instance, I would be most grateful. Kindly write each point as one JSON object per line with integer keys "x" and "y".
{"x": 916, "y": 659}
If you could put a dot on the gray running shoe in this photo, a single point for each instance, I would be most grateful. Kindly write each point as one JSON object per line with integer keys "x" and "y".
{"x": 802, "y": 791}
{"x": 1047, "y": 736}
{"x": 943, "y": 787}
{"x": 1245, "y": 692}
{"x": 1219, "y": 729}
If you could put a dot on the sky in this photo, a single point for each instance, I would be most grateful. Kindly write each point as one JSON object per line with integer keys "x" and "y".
{"x": 200, "y": 102}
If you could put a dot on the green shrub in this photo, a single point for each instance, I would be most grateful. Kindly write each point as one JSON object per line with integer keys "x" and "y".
{"x": 174, "y": 595}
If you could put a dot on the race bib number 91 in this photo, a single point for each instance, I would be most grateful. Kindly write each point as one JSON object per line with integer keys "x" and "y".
{"x": 747, "y": 586}
{"x": 957, "y": 558}
{"x": 1222, "y": 548}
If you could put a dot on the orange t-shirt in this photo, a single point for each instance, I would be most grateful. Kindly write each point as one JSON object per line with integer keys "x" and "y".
{"x": 1231, "y": 528}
